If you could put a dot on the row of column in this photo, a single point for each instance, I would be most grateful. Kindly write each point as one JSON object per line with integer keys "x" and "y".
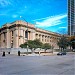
{"x": 21, "y": 36}
{"x": 17, "y": 37}
{"x": 47, "y": 39}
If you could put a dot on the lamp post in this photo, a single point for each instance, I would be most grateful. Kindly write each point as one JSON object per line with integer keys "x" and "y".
{"x": 27, "y": 32}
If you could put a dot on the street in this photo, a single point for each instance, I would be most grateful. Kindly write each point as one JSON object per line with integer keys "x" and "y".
{"x": 37, "y": 65}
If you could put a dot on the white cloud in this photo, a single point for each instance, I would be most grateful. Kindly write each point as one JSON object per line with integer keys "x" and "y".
{"x": 62, "y": 27}
{"x": 50, "y": 21}
{"x": 4, "y": 3}
{"x": 14, "y": 16}
{"x": 41, "y": 19}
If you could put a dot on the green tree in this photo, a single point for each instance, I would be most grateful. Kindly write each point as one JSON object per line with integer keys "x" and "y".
{"x": 32, "y": 44}
{"x": 63, "y": 43}
{"x": 37, "y": 43}
{"x": 23, "y": 45}
{"x": 46, "y": 46}
{"x": 72, "y": 42}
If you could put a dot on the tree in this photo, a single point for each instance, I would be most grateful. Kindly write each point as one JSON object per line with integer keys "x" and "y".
{"x": 37, "y": 43}
{"x": 23, "y": 45}
{"x": 72, "y": 42}
{"x": 46, "y": 46}
{"x": 63, "y": 43}
{"x": 32, "y": 44}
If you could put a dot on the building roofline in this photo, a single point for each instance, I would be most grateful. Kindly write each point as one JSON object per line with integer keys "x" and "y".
{"x": 23, "y": 23}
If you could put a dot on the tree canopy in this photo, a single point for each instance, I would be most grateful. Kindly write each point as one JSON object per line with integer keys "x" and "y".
{"x": 46, "y": 46}
{"x": 63, "y": 42}
{"x": 72, "y": 42}
{"x": 33, "y": 44}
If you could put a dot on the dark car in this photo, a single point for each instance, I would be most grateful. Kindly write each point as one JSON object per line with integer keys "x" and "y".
{"x": 61, "y": 53}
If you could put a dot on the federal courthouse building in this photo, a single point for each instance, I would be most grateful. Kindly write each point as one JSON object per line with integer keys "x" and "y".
{"x": 12, "y": 35}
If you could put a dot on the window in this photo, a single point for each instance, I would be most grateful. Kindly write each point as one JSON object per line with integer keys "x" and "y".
{"x": 74, "y": 33}
{"x": 26, "y": 34}
{"x": 12, "y": 33}
{"x": 11, "y": 45}
{"x": 4, "y": 35}
{"x": 45, "y": 40}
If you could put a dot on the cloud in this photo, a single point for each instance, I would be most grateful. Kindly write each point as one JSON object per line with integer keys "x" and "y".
{"x": 62, "y": 27}
{"x": 14, "y": 16}
{"x": 4, "y": 3}
{"x": 50, "y": 21}
{"x": 41, "y": 19}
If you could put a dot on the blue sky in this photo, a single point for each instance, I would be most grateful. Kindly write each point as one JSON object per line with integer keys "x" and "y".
{"x": 46, "y": 14}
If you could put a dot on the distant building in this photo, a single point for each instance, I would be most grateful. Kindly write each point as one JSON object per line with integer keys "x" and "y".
{"x": 14, "y": 34}
{"x": 71, "y": 17}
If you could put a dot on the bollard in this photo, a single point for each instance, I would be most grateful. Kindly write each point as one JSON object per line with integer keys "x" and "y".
{"x": 18, "y": 53}
{"x": 3, "y": 54}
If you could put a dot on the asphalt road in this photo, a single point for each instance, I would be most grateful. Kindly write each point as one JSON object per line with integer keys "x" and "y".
{"x": 37, "y": 65}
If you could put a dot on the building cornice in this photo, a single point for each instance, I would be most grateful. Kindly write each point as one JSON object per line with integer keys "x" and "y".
{"x": 24, "y": 24}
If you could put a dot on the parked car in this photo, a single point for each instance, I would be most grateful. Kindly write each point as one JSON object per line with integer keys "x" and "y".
{"x": 61, "y": 53}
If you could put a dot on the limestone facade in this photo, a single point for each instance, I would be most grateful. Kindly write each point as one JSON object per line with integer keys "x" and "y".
{"x": 14, "y": 34}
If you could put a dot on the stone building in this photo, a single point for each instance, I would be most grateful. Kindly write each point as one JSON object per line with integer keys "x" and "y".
{"x": 14, "y": 34}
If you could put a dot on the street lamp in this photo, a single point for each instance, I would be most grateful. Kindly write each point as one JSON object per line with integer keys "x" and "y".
{"x": 27, "y": 32}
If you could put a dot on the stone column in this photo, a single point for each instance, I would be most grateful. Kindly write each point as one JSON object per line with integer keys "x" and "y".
{"x": 18, "y": 36}
{"x": 28, "y": 35}
{"x": 8, "y": 37}
{"x": 21, "y": 36}
{"x": 24, "y": 36}
{"x": 2, "y": 38}
{"x": 40, "y": 37}
{"x": 45, "y": 38}
{"x": 32, "y": 35}
{"x": 16, "y": 41}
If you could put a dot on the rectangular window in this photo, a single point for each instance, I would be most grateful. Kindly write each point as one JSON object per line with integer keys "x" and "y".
{"x": 4, "y": 35}
{"x": 26, "y": 34}
{"x": 74, "y": 33}
{"x": 12, "y": 33}
{"x": 11, "y": 45}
